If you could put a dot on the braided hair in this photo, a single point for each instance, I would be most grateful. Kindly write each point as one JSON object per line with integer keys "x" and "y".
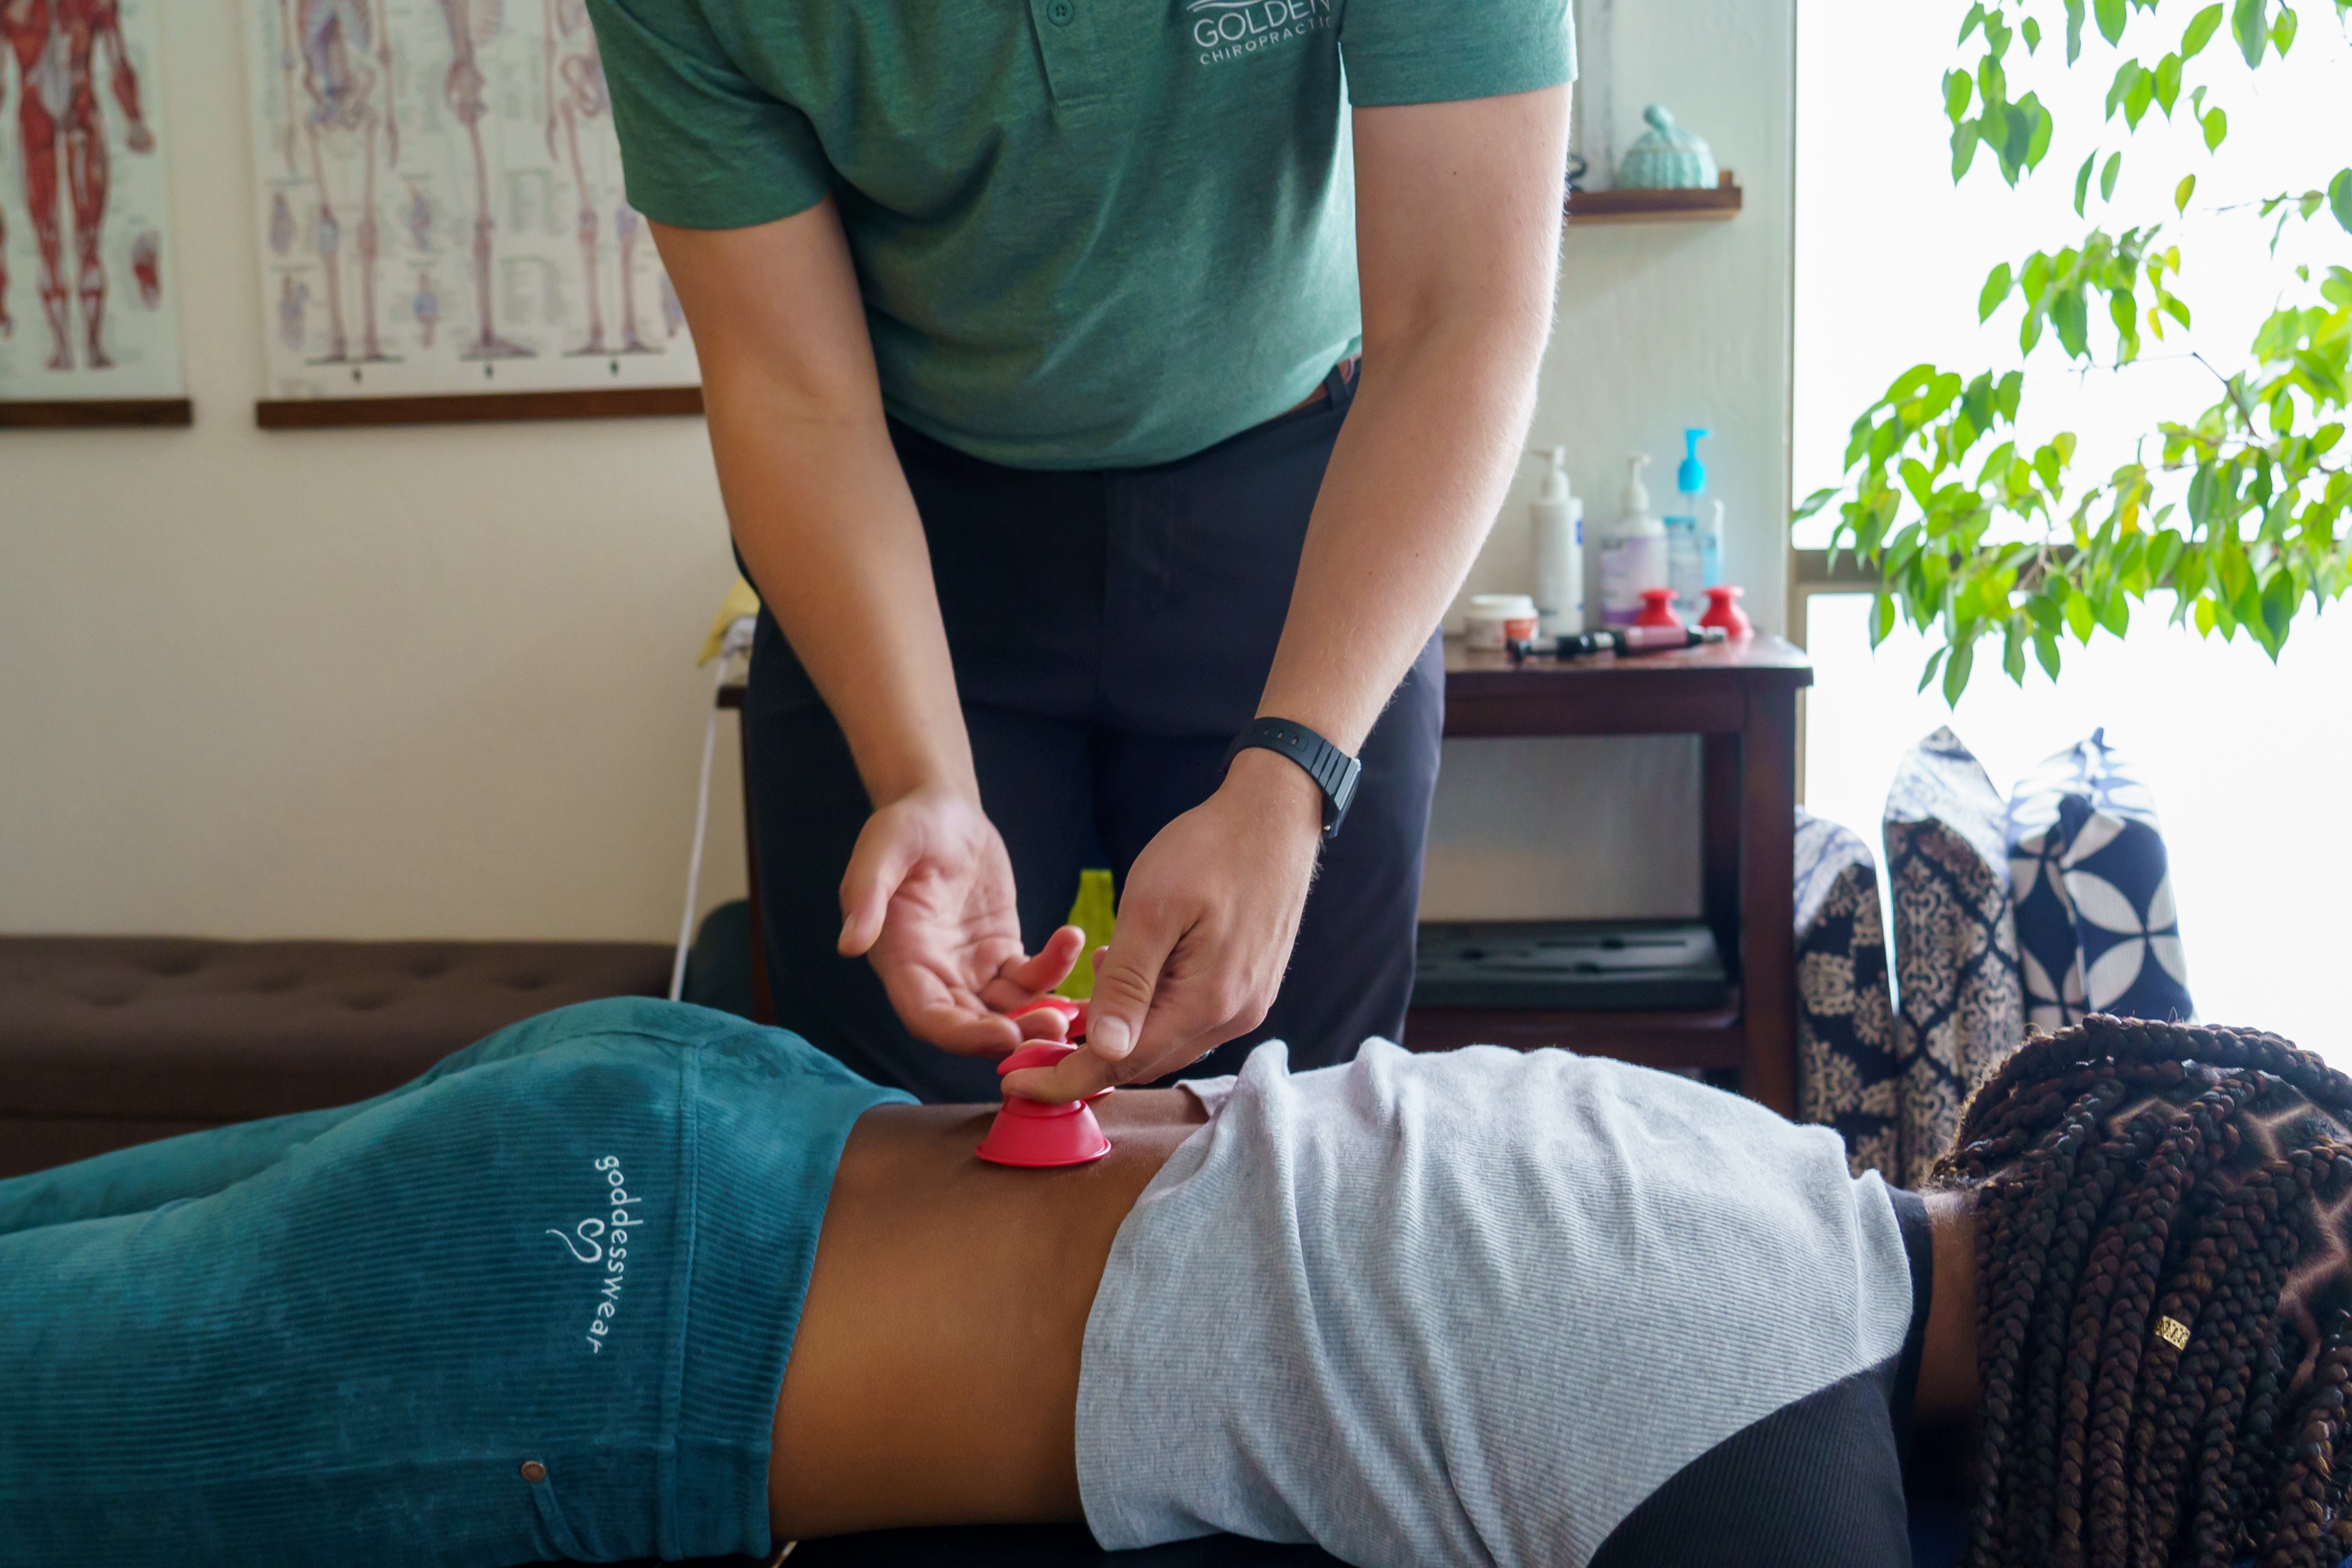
{"x": 2164, "y": 1299}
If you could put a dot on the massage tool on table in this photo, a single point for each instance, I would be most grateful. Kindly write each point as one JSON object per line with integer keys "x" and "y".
{"x": 1033, "y": 1135}
{"x": 1617, "y": 640}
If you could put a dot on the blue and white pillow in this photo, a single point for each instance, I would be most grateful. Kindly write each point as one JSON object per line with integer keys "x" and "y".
{"x": 2098, "y": 929}
{"x": 1848, "y": 1076}
{"x": 1959, "y": 1012}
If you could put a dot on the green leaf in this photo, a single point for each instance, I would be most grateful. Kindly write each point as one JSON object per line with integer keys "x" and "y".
{"x": 1996, "y": 292}
{"x": 1956, "y": 672}
{"x": 2183, "y": 191}
{"x": 2079, "y": 618}
{"x": 2073, "y": 31}
{"x": 2107, "y": 176}
{"x": 2280, "y": 596}
{"x": 2201, "y": 29}
{"x": 2283, "y": 30}
{"x": 2250, "y": 23}
{"x": 2119, "y": 91}
{"x": 2136, "y": 102}
{"x": 1958, "y": 87}
{"x": 2115, "y": 612}
{"x": 2217, "y": 126}
{"x": 2110, "y": 14}
{"x": 2339, "y": 198}
{"x": 2037, "y": 277}
{"x": 2032, "y": 31}
{"x": 1935, "y": 662}
{"x": 1964, "y": 147}
{"x": 1969, "y": 24}
{"x": 2083, "y": 181}
{"x": 2167, "y": 83}
{"x": 2045, "y": 648}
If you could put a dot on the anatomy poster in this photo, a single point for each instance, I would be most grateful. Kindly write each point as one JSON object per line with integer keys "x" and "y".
{"x": 89, "y": 296}
{"x": 441, "y": 207}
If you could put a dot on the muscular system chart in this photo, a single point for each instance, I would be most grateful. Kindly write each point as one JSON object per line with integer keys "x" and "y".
{"x": 88, "y": 295}
{"x": 441, "y": 206}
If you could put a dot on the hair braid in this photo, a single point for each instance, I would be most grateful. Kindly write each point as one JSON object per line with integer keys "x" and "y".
{"x": 2163, "y": 1263}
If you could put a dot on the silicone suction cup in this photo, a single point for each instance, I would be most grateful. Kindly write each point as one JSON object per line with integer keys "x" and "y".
{"x": 1036, "y": 1136}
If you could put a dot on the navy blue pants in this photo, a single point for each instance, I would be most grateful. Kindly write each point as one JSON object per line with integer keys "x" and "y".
{"x": 1095, "y": 725}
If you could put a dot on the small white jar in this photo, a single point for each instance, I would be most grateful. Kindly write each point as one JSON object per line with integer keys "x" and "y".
{"x": 1496, "y": 619}
{"x": 1499, "y": 619}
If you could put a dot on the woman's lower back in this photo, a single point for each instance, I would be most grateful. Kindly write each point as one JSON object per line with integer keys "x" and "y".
{"x": 934, "y": 1375}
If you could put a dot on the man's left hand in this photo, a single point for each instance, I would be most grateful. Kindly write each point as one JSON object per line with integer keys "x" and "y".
{"x": 1205, "y": 926}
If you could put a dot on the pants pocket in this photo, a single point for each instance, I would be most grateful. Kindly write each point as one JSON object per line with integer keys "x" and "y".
{"x": 556, "y": 1537}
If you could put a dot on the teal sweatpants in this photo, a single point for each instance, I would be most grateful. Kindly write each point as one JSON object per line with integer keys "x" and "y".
{"x": 535, "y": 1305}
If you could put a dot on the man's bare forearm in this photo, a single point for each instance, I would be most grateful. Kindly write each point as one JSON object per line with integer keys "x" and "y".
{"x": 1414, "y": 484}
{"x": 814, "y": 494}
{"x": 821, "y": 512}
{"x": 1457, "y": 241}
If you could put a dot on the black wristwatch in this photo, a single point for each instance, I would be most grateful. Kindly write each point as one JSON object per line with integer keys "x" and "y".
{"x": 1333, "y": 769}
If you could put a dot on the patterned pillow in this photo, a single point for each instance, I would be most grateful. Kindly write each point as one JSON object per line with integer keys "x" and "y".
{"x": 1961, "y": 1011}
{"x": 2091, "y": 878}
{"x": 1847, "y": 1075}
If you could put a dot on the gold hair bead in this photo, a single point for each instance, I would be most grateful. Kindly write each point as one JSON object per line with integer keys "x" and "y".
{"x": 2173, "y": 1332}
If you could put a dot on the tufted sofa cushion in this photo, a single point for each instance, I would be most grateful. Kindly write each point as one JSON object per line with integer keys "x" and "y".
{"x": 105, "y": 1041}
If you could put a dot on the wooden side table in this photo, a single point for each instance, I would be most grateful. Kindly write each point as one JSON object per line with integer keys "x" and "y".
{"x": 1740, "y": 699}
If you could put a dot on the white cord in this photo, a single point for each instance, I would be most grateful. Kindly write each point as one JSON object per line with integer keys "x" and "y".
{"x": 701, "y": 832}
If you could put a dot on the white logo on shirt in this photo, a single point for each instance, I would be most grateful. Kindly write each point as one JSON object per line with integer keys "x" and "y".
{"x": 1229, "y": 29}
{"x": 604, "y": 1241}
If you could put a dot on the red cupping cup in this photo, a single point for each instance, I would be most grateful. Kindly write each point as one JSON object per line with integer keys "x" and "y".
{"x": 1723, "y": 610}
{"x": 1034, "y": 1136}
{"x": 1657, "y": 609}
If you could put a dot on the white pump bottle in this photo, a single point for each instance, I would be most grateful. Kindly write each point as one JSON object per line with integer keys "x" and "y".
{"x": 1633, "y": 551}
{"x": 1557, "y": 519}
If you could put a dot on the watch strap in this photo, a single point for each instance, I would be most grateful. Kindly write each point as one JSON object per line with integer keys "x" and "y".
{"x": 1333, "y": 771}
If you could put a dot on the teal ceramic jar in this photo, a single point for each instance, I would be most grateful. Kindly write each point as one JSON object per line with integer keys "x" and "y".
{"x": 1666, "y": 157}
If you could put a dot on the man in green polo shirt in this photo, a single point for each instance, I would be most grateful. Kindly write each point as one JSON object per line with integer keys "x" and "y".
{"x": 1030, "y": 333}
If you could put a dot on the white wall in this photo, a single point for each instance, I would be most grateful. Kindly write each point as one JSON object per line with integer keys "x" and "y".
{"x": 421, "y": 682}
{"x": 1660, "y": 326}
{"x": 438, "y": 682}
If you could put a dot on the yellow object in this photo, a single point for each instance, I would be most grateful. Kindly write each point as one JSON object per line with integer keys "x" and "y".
{"x": 742, "y": 600}
{"x": 1093, "y": 914}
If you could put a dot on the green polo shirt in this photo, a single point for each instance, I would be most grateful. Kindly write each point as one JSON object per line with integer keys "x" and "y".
{"x": 1089, "y": 233}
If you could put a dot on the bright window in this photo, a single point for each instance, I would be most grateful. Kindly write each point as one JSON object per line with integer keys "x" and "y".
{"x": 2251, "y": 765}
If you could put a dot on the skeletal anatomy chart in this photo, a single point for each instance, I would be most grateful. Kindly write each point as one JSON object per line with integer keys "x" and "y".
{"x": 441, "y": 208}
{"x": 88, "y": 301}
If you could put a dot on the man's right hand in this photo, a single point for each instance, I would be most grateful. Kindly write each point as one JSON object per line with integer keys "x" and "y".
{"x": 929, "y": 900}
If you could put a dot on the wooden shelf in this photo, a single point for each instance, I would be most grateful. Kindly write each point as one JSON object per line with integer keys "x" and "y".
{"x": 1712, "y": 1041}
{"x": 96, "y": 413}
{"x": 467, "y": 408}
{"x": 1657, "y": 207}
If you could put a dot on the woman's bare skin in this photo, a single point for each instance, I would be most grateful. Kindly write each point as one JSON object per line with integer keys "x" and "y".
{"x": 934, "y": 1375}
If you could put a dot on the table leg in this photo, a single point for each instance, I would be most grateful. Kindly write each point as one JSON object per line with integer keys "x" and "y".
{"x": 1768, "y": 870}
{"x": 1720, "y": 825}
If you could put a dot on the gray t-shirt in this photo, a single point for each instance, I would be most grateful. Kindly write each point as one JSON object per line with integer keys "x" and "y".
{"x": 1477, "y": 1308}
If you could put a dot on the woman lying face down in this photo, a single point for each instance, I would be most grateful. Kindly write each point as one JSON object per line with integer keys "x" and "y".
{"x": 1473, "y": 1307}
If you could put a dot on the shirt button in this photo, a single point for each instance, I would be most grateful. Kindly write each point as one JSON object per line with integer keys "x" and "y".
{"x": 533, "y": 1471}
{"x": 1060, "y": 12}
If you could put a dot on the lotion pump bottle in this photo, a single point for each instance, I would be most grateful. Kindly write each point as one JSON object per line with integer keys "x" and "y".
{"x": 1694, "y": 533}
{"x": 1633, "y": 553}
{"x": 1557, "y": 518}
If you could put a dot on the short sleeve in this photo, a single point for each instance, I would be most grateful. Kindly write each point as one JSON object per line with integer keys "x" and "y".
{"x": 702, "y": 145}
{"x": 1434, "y": 51}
